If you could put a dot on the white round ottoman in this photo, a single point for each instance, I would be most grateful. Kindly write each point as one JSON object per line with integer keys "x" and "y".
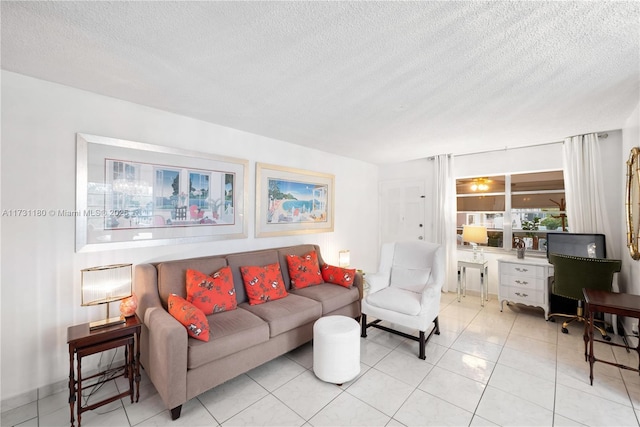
{"x": 336, "y": 349}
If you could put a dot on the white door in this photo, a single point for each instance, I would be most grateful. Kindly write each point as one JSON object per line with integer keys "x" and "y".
{"x": 402, "y": 210}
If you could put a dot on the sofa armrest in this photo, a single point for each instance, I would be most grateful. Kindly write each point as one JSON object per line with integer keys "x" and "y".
{"x": 146, "y": 289}
{"x": 166, "y": 355}
{"x": 358, "y": 282}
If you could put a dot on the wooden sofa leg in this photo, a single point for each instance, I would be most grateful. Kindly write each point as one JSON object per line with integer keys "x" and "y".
{"x": 175, "y": 412}
{"x": 437, "y": 325}
{"x": 363, "y": 321}
{"x": 423, "y": 344}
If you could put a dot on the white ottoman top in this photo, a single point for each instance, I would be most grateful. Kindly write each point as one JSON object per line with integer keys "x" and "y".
{"x": 335, "y": 325}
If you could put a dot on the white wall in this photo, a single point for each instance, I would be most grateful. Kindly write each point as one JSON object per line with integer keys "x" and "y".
{"x": 531, "y": 159}
{"x": 630, "y": 274}
{"x": 40, "y": 271}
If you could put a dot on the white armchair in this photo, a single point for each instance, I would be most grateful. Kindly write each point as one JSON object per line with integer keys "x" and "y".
{"x": 406, "y": 290}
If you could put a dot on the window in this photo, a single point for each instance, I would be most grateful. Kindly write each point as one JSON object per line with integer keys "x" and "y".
{"x": 514, "y": 206}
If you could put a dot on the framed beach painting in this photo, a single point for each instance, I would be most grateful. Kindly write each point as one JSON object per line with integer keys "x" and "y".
{"x": 132, "y": 194}
{"x": 292, "y": 201}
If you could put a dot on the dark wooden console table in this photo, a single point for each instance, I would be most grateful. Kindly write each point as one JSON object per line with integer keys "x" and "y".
{"x": 84, "y": 342}
{"x": 627, "y": 305}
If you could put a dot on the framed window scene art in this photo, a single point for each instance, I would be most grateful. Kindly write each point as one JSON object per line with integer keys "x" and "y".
{"x": 131, "y": 194}
{"x": 293, "y": 201}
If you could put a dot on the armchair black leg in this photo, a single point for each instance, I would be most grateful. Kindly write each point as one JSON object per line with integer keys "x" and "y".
{"x": 363, "y": 326}
{"x": 423, "y": 344}
{"x": 437, "y": 326}
{"x": 175, "y": 412}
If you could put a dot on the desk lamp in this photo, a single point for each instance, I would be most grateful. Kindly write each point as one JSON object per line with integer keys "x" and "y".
{"x": 102, "y": 285}
{"x": 344, "y": 258}
{"x": 474, "y": 234}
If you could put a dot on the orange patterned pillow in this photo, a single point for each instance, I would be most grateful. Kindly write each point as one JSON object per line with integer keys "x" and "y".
{"x": 338, "y": 275}
{"x": 304, "y": 270}
{"x": 263, "y": 283}
{"x": 190, "y": 316}
{"x": 211, "y": 294}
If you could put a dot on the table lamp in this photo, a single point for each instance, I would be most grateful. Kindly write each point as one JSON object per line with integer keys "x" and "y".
{"x": 474, "y": 234}
{"x": 344, "y": 258}
{"x": 102, "y": 285}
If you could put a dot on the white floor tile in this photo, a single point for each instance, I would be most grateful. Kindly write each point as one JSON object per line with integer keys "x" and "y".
{"x": 473, "y": 367}
{"x": 486, "y": 368}
{"x": 306, "y": 395}
{"x": 524, "y": 385}
{"x": 505, "y": 409}
{"x": 423, "y": 409}
{"x": 347, "y": 410}
{"x": 592, "y": 410}
{"x": 268, "y": 411}
{"x": 453, "y": 388}
{"x": 470, "y": 344}
{"x": 275, "y": 373}
{"x": 381, "y": 391}
{"x": 232, "y": 397}
{"x": 404, "y": 367}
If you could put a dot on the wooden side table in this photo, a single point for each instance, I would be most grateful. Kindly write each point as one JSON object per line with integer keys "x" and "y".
{"x": 482, "y": 266}
{"x": 607, "y": 302}
{"x": 84, "y": 342}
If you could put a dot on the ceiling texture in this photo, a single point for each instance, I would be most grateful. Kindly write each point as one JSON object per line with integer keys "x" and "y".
{"x": 377, "y": 81}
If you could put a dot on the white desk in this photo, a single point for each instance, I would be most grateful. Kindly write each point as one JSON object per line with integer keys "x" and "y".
{"x": 524, "y": 281}
{"x": 482, "y": 266}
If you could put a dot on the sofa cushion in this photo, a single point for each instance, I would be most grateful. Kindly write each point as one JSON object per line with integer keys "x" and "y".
{"x": 331, "y": 297}
{"x": 398, "y": 300}
{"x": 304, "y": 270}
{"x": 235, "y": 261}
{"x": 338, "y": 275}
{"x": 232, "y": 331}
{"x": 172, "y": 274}
{"x": 211, "y": 294}
{"x": 263, "y": 283}
{"x": 286, "y": 314}
{"x": 190, "y": 316}
{"x": 410, "y": 279}
{"x": 300, "y": 250}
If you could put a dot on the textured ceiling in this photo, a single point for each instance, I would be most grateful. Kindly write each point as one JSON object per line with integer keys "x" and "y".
{"x": 378, "y": 81}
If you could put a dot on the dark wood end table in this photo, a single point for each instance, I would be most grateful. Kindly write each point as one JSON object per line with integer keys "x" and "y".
{"x": 627, "y": 305}
{"x": 84, "y": 342}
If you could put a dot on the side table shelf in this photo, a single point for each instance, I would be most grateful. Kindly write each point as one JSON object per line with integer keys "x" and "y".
{"x": 84, "y": 342}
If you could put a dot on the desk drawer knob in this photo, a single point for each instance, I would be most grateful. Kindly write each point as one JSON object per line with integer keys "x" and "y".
{"x": 522, "y": 295}
{"x": 522, "y": 270}
{"x": 522, "y": 282}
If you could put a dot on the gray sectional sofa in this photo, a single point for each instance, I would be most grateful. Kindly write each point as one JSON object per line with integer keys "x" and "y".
{"x": 182, "y": 367}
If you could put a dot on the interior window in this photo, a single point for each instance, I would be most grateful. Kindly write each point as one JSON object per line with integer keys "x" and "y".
{"x": 514, "y": 206}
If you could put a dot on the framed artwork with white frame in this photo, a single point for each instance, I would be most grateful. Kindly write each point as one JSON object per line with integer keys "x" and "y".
{"x": 293, "y": 201}
{"x": 133, "y": 194}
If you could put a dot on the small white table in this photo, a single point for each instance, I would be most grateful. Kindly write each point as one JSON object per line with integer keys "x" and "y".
{"x": 482, "y": 266}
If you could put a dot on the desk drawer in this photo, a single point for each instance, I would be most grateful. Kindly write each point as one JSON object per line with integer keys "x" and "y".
{"x": 526, "y": 296}
{"x": 524, "y": 270}
{"x": 522, "y": 282}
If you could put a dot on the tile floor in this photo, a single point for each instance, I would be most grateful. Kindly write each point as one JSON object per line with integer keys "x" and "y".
{"x": 486, "y": 368}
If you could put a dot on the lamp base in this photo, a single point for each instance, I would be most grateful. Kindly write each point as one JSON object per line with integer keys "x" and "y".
{"x": 106, "y": 322}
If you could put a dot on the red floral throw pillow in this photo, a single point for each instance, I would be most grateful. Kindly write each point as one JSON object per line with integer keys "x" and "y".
{"x": 338, "y": 275}
{"x": 190, "y": 316}
{"x": 263, "y": 283}
{"x": 304, "y": 270}
{"x": 211, "y": 294}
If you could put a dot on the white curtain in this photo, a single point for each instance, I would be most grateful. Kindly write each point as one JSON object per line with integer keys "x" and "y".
{"x": 444, "y": 215}
{"x": 586, "y": 205}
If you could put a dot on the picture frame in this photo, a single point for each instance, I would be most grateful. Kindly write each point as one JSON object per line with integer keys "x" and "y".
{"x": 293, "y": 201}
{"x": 132, "y": 194}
